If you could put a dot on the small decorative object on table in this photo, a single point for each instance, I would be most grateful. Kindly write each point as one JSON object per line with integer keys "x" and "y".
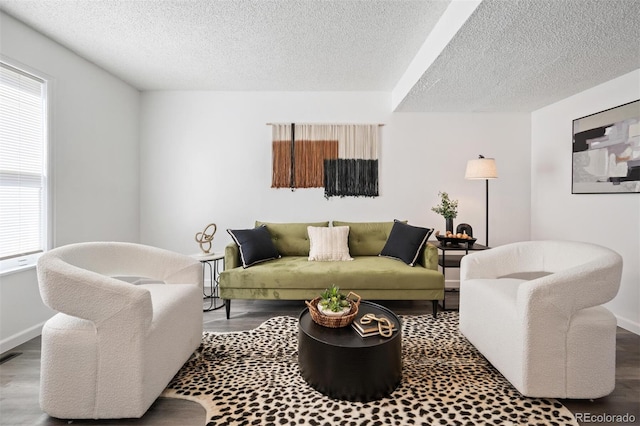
{"x": 464, "y": 228}
{"x": 447, "y": 208}
{"x": 371, "y": 325}
{"x": 205, "y": 239}
{"x": 333, "y": 309}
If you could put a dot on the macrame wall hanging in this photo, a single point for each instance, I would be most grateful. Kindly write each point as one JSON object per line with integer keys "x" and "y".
{"x": 342, "y": 158}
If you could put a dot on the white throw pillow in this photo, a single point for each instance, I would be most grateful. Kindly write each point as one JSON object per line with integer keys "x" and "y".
{"x": 329, "y": 243}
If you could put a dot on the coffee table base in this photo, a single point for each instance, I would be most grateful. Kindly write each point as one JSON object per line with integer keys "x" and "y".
{"x": 351, "y": 374}
{"x": 342, "y": 365}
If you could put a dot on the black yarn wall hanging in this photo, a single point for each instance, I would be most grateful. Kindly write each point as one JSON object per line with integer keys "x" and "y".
{"x": 341, "y": 157}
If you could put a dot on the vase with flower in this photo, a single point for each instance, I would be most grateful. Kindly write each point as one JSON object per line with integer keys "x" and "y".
{"x": 447, "y": 208}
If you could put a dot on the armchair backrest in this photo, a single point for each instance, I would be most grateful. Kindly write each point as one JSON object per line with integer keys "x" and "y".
{"x": 587, "y": 274}
{"x": 559, "y": 256}
{"x": 582, "y": 275}
{"x": 76, "y": 279}
{"x": 533, "y": 256}
{"x": 124, "y": 259}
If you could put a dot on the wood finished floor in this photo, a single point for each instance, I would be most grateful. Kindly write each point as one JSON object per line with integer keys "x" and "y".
{"x": 19, "y": 376}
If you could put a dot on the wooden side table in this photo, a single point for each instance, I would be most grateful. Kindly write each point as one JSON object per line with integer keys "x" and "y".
{"x": 452, "y": 260}
{"x": 212, "y": 261}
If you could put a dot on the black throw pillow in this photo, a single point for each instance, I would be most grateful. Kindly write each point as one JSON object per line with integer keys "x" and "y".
{"x": 405, "y": 242}
{"x": 255, "y": 245}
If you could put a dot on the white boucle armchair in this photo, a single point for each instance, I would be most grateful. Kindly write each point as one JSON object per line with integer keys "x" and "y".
{"x": 533, "y": 310}
{"x": 114, "y": 346}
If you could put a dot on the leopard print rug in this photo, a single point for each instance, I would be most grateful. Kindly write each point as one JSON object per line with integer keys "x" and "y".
{"x": 252, "y": 378}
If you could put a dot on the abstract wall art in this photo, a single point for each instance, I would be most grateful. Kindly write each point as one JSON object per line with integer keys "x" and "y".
{"x": 606, "y": 151}
{"x": 341, "y": 158}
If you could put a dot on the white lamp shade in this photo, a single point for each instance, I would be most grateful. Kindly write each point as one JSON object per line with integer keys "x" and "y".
{"x": 481, "y": 168}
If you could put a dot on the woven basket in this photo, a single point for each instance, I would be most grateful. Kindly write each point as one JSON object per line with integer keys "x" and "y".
{"x": 334, "y": 322}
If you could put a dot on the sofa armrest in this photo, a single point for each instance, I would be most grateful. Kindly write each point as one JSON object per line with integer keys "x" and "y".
{"x": 232, "y": 256}
{"x": 87, "y": 294}
{"x": 568, "y": 291}
{"x": 429, "y": 257}
{"x": 76, "y": 279}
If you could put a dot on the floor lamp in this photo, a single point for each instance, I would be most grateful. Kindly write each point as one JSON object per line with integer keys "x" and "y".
{"x": 483, "y": 168}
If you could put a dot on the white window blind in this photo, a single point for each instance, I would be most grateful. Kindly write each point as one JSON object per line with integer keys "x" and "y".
{"x": 23, "y": 177}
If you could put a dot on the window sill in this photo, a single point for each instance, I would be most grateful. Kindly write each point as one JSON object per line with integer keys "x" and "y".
{"x": 17, "y": 270}
{"x": 20, "y": 264}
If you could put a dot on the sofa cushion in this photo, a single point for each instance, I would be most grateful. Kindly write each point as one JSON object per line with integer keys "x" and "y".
{"x": 372, "y": 273}
{"x": 405, "y": 242}
{"x": 255, "y": 245}
{"x": 290, "y": 239}
{"x": 366, "y": 238}
{"x": 328, "y": 244}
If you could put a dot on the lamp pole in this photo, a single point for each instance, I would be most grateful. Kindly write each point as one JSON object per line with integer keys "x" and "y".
{"x": 486, "y": 213}
{"x": 483, "y": 168}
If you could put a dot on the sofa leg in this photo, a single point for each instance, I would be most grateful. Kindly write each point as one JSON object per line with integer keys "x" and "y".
{"x": 434, "y": 304}
{"x": 227, "y": 306}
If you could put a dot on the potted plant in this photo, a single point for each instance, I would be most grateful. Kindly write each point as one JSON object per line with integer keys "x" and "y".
{"x": 447, "y": 208}
{"x": 333, "y": 303}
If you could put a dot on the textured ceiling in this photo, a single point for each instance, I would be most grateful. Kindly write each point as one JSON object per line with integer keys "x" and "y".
{"x": 511, "y": 55}
{"x": 240, "y": 45}
{"x": 522, "y": 55}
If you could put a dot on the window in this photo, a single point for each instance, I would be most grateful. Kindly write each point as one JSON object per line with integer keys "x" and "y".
{"x": 23, "y": 168}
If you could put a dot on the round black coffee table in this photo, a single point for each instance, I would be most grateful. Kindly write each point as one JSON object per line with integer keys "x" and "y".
{"x": 341, "y": 364}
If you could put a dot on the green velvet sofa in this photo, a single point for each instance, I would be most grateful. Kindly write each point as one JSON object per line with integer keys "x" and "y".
{"x": 294, "y": 277}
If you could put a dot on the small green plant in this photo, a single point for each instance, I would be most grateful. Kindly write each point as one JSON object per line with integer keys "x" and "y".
{"x": 447, "y": 208}
{"x": 333, "y": 300}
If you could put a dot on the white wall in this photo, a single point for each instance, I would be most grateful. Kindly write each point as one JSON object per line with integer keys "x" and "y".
{"x": 206, "y": 157}
{"x": 611, "y": 220}
{"x": 95, "y": 164}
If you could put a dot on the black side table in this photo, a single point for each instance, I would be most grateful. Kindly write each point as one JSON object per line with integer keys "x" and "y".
{"x": 212, "y": 261}
{"x": 452, "y": 260}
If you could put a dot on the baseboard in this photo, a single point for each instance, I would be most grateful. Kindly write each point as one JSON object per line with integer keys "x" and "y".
{"x": 20, "y": 338}
{"x": 628, "y": 325}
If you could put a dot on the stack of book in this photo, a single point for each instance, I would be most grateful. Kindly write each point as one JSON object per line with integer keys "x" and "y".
{"x": 370, "y": 329}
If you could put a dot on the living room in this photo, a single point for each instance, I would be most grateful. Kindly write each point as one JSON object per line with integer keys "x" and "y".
{"x": 154, "y": 166}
